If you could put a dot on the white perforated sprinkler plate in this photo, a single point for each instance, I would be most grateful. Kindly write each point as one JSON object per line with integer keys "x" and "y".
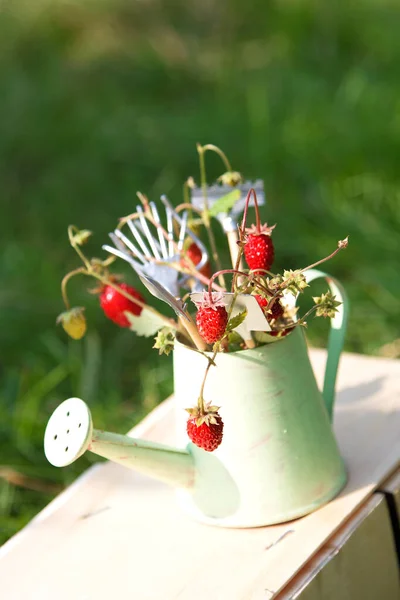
{"x": 68, "y": 432}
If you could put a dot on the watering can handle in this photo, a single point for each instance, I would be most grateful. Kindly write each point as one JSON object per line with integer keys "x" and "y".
{"x": 336, "y": 335}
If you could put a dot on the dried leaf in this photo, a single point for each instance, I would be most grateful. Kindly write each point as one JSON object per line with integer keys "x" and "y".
{"x": 146, "y": 324}
{"x": 81, "y": 237}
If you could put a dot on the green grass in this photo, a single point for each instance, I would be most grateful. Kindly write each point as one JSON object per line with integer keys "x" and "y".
{"x": 101, "y": 99}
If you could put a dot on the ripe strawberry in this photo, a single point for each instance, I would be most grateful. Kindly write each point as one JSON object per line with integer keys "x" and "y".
{"x": 262, "y": 301}
{"x": 259, "y": 248}
{"x": 275, "y": 311}
{"x": 211, "y": 317}
{"x": 115, "y": 304}
{"x": 194, "y": 254}
{"x": 205, "y": 427}
{"x": 272, "y": 312}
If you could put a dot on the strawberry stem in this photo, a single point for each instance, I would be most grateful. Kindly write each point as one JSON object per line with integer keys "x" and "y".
{"x": 319, "y": 262}
{"x": 64, "y": 282}
{"x": 127, "y": 218}
{"x": 304, "y": 317}
{"x": 186, "y": 193}
{"x": 205, "y": 214}
{"x": 200, "y": 401}
{"x": 108, "y": 261}
{"x": 224, "y": 271}
{"x": 220, "y": 153}
{"x": 246, "y": 206}
{"x": 263, "y": 287}
{"x": 71, "y": 230}
{"x": 144, "y": 200}
{"x": 238, "y": 258}
{"x": 211, "y": 361}
{"x": 189, "y": 206}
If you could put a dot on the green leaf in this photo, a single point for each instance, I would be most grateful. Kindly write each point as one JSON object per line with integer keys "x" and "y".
{"x": 236, "y": 320}
{"x": 146, "y": 324}
{"x": 224, "y": 204}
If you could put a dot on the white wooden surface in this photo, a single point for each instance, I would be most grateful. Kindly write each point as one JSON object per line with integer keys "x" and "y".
{"x": 116, "y": 532}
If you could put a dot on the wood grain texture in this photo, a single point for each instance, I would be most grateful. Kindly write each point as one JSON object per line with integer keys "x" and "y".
{"x": 359, "y": 561}
{"x": 116, "y": 530}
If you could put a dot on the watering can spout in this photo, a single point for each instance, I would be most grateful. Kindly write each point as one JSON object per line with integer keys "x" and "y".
{"x": 69, "y": 433}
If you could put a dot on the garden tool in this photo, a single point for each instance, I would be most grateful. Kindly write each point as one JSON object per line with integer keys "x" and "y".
{"x": 229, "y": 220}
{"x": 152, "y": 255}
{"x": 158, "y": 290}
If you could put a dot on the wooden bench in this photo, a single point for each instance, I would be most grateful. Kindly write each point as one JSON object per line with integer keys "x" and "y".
{"x": 114, "y": 532}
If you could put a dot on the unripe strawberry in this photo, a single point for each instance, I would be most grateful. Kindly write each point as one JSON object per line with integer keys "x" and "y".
{"x": 258, "y": 248}
{"x": 211, "y": 317}
{"x": 73, "y": 322}
{"x": 115, "y": 304}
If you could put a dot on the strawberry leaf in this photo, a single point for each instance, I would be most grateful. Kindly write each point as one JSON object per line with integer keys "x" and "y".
{"x": 236, "y": 320}
{"x": 146, "y": 324}
{"x": 224, "y": 204}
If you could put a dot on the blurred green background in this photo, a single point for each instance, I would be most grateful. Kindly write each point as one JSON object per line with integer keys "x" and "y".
{"x": 102, "y": 98}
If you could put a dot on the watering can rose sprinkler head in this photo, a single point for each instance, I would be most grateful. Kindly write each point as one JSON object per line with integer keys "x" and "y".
{"x": 69, "y": 433}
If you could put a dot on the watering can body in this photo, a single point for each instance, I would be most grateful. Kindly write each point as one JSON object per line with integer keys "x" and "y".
{"x": 278, "y": 459}
{"x": 278, "y": 445}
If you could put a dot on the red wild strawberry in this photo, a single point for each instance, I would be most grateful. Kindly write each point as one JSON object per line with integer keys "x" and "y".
{"x": 194, "y": 254}
{"x": 275, "y": 311}
{"x": 211, "y": 317}
{"x": 258, "y": 248}
{"x": 205, "y": 426}
{"x": 262, "y": 301}
{"x": 271, "y": 312}
{"x": 115, "y": 304}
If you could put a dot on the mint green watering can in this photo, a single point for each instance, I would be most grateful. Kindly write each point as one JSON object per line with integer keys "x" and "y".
{"x": 278, "y": 459}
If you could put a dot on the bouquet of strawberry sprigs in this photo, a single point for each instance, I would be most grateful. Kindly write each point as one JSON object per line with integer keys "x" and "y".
{"x": 185, "y": 269}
